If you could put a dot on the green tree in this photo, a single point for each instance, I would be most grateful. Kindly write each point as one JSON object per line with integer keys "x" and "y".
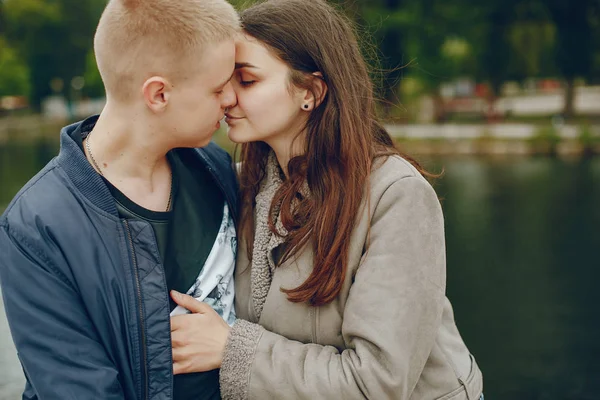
{"x": 14, "y": 74}
{"x": 53, "y": 37}
{"x": 595, "y": 70}
{"x": 385, "y": 24}
{"x": 425, "y": 40}
{"x": 30, "y": 27}
{"x": 93, "y": 81}
{"x": 442, "y": 45}
{"x": 492, "y": 41}
{"x": 532, "y": 43}
{"x": 575, "y": 46}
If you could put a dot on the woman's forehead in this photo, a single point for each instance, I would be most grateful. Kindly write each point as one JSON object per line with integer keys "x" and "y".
{"x": 250, "y": 50}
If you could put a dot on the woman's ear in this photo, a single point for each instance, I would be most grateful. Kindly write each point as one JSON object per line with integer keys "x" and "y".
{"x": 313, "y": 98}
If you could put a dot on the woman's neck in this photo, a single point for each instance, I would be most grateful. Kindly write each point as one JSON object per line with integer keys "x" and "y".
{"x": 286, "y": 148}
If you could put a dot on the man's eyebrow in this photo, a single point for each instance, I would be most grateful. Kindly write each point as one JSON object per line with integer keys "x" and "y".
{"x": 244, "y": 65}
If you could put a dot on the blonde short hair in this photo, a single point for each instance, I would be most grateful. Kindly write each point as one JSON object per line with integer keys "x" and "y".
{"x": 139, "y": 38}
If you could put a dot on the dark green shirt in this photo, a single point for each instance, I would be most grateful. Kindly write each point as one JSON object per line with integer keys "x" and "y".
{"x": 185, "y": 236}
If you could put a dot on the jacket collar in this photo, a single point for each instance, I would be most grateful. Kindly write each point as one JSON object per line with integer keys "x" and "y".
{"x": 82, "y": 174}
{"x": 265, "y": 241}
{"x": 92, "y": 186}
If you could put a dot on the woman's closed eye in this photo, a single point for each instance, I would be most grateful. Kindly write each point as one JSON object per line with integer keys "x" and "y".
{"x": 245, "y": 79}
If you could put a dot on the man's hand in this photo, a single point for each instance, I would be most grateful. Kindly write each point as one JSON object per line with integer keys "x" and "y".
{"x": 198, "y": 339}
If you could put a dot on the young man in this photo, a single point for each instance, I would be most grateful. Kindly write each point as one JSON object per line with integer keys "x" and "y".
{"x": 128, "y": 211}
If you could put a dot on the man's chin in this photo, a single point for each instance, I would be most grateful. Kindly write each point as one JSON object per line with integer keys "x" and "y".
{"x": 205, "y": 142}
{"x": 205, "y": 139}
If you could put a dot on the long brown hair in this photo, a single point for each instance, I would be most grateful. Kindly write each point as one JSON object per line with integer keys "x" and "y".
{"x": 343, "y": 137}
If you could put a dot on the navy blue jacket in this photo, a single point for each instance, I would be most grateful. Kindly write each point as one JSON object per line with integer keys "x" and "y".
{"x": 84, "y": 291}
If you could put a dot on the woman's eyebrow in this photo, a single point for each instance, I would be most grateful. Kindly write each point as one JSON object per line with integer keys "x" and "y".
{"x": 244, "y": 65}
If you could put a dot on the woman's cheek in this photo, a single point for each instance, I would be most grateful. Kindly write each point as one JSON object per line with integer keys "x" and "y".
{"x": 256, "y": 103}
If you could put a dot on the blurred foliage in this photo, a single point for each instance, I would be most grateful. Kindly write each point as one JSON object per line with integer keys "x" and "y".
{"x": 14, "y": 78}
{"x": 52, "y": 37}
{"x": 545, "y": 140}
{"x": 93, "y": 81}
{"x": 588, "y": 140}
{"x": 424, "y": 42}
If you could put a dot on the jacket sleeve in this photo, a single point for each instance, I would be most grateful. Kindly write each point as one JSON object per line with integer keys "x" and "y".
{"x": 391, "y": 316}
{"x": 56, "y": 341}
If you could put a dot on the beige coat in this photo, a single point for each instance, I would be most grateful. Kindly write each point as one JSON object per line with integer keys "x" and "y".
{"x": 390, "y": 334}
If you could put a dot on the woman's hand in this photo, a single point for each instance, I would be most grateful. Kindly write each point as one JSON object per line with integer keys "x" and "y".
{"x": 198, "y": 339}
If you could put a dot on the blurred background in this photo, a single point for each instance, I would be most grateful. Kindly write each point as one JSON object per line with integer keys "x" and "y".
{"x": 502, "y": 95}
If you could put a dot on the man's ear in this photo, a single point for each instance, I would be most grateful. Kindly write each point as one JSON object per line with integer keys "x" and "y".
{"x": 314, "y": 98}
{"x": 157, "y": 93}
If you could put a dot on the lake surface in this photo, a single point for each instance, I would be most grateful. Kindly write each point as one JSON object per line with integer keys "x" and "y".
{"x": 523, "y": 245}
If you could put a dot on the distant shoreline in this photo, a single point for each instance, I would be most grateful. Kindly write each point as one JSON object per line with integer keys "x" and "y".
{"x": 520, "y": 139}
{"x": 497, "y": 139}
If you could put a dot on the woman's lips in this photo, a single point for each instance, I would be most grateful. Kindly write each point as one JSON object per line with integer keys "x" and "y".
{"x": 230, "y": 118}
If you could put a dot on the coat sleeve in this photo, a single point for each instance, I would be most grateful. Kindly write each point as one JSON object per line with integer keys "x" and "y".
{"x": 55, "y": 340}
{"x": 391, "y": 317}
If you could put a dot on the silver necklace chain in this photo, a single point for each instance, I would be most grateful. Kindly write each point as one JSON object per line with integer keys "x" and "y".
{"x": 97, "y": 167}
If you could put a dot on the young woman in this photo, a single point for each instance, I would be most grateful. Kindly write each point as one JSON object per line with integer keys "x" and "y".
{"x": 340, "y": 280}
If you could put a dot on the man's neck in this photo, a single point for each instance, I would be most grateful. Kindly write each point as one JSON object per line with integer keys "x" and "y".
{"x": 130, "y": 157}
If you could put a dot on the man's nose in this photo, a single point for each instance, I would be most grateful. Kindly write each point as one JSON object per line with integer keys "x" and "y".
{"x": 229, "y": 98}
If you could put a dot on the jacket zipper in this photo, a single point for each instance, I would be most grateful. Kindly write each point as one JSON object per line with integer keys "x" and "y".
{"x": 139, "y": 298}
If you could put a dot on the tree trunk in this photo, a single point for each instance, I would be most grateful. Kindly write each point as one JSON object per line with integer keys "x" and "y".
{"x": 569, "y": 110}
{"x": 492, "y": 115}
{"x": 439, "y": 108}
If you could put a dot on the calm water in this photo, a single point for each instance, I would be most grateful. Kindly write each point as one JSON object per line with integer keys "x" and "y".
{"x": 523, "y": 238}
